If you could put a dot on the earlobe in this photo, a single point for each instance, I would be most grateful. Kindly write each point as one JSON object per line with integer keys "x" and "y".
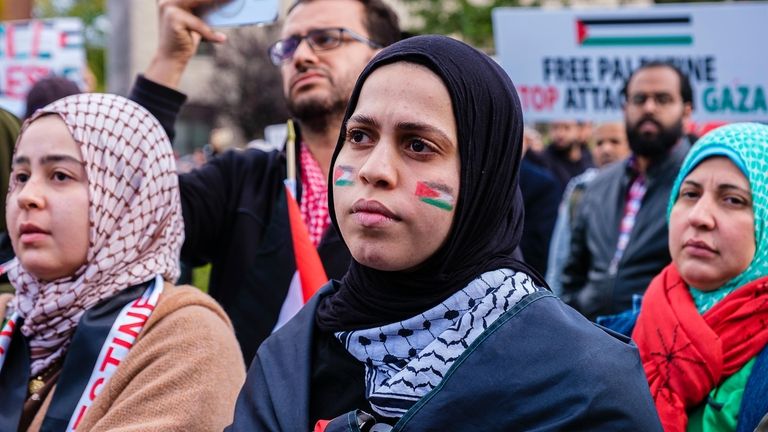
{"x": 687, "y": 110}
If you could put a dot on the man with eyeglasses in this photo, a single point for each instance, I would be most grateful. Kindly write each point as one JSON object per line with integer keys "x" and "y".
{"x": 234, "y": 207}
{"x": 619, "y": 236}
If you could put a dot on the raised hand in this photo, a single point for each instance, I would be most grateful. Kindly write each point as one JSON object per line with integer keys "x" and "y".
{"x": 180, "y": 33}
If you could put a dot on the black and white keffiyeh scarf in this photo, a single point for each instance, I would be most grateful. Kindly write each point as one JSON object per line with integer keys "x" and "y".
{"x": 407, "y": 359}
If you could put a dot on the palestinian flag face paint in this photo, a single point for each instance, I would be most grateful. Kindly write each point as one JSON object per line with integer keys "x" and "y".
{"x": 342, "y": 175}
{"x": 436, "y": 194}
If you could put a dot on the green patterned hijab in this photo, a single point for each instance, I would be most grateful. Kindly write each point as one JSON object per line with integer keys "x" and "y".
{"x": 746, "y": 145}
{"x": 9, "y": 130}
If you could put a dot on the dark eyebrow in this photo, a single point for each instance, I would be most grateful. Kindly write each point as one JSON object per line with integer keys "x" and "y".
{"x": 721, "y": 187}
{"x": 364, "y": 120}
{"x": 728, "y": 186}
{"x": 369, "y": 121}
{"x": 49, "y": 159}
{"x": 21, "y": 160}
{"x": 423, "y": 127}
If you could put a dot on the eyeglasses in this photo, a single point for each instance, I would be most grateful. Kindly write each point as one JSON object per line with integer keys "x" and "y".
{"x": 660, "y": 99}
{"x": 319, "y": 39}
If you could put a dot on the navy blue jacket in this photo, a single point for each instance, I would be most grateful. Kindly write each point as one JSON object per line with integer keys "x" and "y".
{"x": 540, "y": 366}
{"x": 541, "y": 197}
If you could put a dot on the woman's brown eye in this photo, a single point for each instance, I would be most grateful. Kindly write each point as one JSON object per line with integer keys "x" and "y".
{"x": 418, "y": 146}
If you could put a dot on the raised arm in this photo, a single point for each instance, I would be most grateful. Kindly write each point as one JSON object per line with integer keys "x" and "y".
{"x": 180, "y": 33}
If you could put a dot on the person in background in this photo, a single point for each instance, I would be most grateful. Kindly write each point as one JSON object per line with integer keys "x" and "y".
{"x": 618, "y": 240}
{"x": 47, "y": 90}
{"x": 97, "y": 337}
{"x": 587, "y": 133}
{"x": 532, "y": 140}
{"x": 567, "y": 154}
{"x": 235, "y": 208}
{"x": 610, "y": 146}
{"x": 9, "y": 131}
{"x": 436, "y": 326}
{"x": 701, "y": 329}
{"x": 541, "y": 194}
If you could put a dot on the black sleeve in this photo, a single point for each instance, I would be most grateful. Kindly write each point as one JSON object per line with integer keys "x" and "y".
{"x": 162, "y": 102}
{"x": 540, "y": 217}
{"x": 231, "y": 195}
{"x": 208, "y": 203}
{"x": 578, "y": 261}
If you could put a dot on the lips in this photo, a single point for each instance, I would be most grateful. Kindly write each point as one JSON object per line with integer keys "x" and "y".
{"x": 649, "y": 126}
{"x": 30, "y": 228}
{"x": 310, "y": 75}
{"x": 698, "y": 247}
{"x": 30, "y": 233}
{"x": 370, "y": 213}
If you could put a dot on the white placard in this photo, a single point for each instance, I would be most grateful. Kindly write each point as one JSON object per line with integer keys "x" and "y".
{"x": 572, "y": 63}
{"x": 34, "y": 49}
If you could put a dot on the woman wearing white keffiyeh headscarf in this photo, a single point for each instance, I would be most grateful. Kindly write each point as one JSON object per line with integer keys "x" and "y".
{"x": 94, "y": 216}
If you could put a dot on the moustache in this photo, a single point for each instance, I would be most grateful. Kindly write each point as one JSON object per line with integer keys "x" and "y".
{"x": 648, "y": 118}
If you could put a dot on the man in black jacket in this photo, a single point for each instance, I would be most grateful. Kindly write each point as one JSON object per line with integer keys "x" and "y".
{"x": 619, "y": 238}
{"x": 567, "y": 154}
{"x": 235, "y": 212}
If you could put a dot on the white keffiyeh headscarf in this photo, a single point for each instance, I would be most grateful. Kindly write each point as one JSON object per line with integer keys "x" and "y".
{"x": 136, "y": 229}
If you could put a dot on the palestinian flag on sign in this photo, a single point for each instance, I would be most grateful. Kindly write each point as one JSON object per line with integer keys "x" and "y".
{"x": 636, "y": 31}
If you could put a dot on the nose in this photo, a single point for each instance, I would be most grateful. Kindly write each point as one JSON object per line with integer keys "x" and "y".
{"x": 649, "y": 105}
{"x": 701, "y": 214}
{"x": 380, "y": 167}
{"x": 30, "y": 195}
{"x": 304, "y": 54}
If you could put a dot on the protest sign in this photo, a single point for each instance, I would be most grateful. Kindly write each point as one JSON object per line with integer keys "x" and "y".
{"x": 33, "y": 49}
{"x": 572, "y": 63}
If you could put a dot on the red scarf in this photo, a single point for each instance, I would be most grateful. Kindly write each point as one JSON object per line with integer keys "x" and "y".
{"x": 685, "y": 354}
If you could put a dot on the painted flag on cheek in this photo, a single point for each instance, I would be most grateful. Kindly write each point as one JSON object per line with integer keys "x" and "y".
{"x": 436, "y": 194}
{"x": 342, "y": 176}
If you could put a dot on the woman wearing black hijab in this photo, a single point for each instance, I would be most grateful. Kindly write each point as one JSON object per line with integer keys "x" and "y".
{"x": 436, "y": 326}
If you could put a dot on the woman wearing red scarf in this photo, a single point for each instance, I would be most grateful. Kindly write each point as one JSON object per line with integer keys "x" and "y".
{"x": 704, "y": 320}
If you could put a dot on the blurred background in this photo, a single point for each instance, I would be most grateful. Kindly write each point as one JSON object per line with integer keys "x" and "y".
{"x": 233, "y": 89}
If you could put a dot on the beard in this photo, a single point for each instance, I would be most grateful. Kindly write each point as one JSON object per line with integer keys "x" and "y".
{"x": 653, "y": 146}
{"x": 562, "y": 147}
{"x": 315, "y": 111}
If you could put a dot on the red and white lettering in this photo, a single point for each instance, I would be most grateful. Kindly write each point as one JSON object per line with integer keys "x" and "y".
{"x": 95, "y": 388}
{"x": 121, "y": 338}
{"x": 538, "y": 98}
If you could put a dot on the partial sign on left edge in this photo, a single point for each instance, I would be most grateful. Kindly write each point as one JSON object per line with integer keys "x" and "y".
{"x": 34, "y": 49}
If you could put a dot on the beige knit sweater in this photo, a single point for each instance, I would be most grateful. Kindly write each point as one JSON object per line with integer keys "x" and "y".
{"x": 183, "y": 373}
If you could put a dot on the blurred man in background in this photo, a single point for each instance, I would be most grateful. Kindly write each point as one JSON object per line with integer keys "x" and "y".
{"x": 235, "y": 211}
{"x": 611, "y": 145}
{"x": 567, "y": 154}
{"x": 619, "y": 237}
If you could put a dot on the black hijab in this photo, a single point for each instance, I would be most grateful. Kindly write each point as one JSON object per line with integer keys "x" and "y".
{"x": 488, "y": 220}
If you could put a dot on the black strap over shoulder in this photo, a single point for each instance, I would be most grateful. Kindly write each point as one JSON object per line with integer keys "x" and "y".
{"x": 13, "y": 381}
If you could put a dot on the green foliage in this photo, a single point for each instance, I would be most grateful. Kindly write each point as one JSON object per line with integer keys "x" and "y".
{"x": 91, "y": 12}
{"x": 468, "y": 20}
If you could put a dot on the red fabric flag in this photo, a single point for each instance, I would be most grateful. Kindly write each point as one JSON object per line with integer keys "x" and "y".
{"x": 308, "y": 264}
